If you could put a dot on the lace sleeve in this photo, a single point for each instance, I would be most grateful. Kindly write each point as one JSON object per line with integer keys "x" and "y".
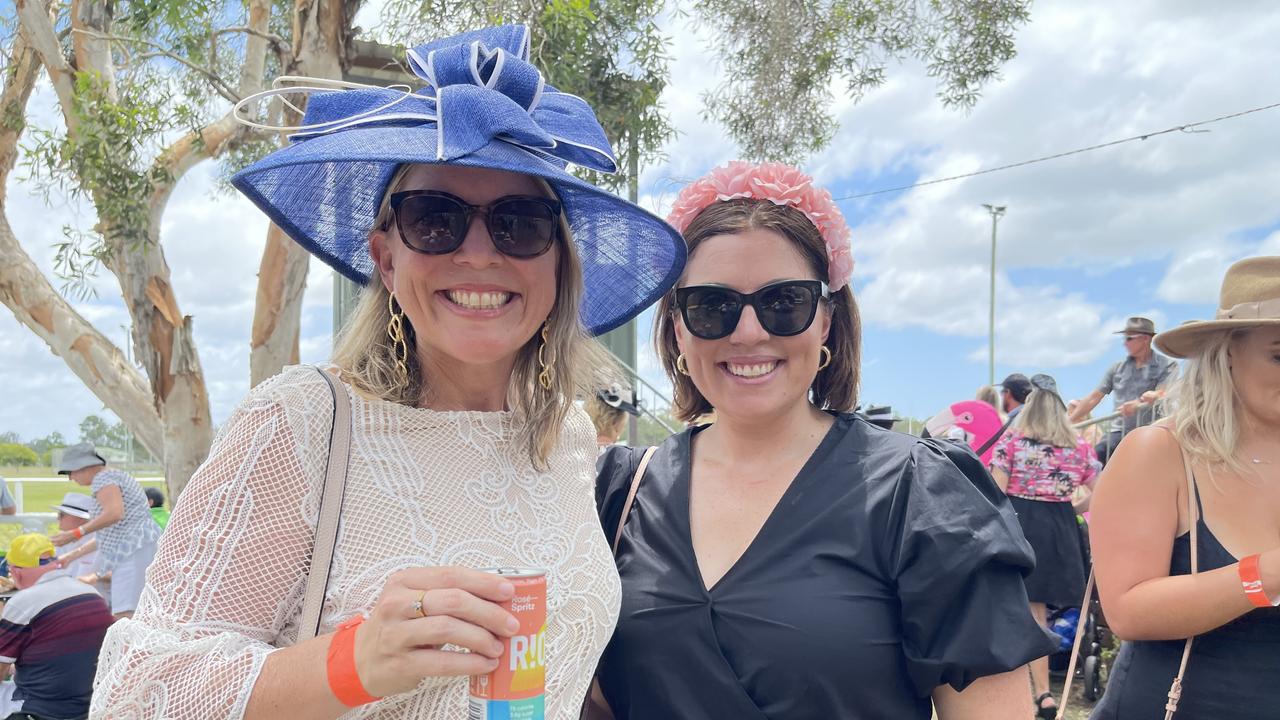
{"x": 228, "y": 577}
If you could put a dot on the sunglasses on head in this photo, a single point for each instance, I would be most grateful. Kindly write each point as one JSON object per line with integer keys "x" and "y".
{"x": 783, "y": 308}
{"x": 435, "y": 223}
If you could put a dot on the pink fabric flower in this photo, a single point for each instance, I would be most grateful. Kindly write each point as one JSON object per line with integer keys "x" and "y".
{"x": 782, "y": 185}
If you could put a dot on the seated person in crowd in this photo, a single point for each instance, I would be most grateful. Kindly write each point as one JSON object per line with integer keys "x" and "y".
{"x": 50, "y": 632}
{"x": 73, "y": 512}
{"x": 155, "y": 499}
{"x": 8, "y": 506}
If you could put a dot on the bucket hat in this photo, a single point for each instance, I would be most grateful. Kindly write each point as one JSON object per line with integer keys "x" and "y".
{"x": 78, "y": 457}
{"x": 483, "y": 105}
{"x": 77, "y": 505}
{"x": 621, "y": 398}
{"x": 1250, "y": 297}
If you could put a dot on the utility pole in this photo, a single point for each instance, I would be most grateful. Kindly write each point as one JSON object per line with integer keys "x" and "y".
{"x": 996, "y": 211}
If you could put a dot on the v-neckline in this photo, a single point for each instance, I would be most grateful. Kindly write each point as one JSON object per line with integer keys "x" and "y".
{"x": 686, "y": 478}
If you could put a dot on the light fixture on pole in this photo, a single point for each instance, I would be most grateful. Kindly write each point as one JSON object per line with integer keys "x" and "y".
{"x": 996, "y": 211}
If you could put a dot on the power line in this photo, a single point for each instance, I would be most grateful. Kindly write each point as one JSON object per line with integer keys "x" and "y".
{"x": 1187, "y": 128}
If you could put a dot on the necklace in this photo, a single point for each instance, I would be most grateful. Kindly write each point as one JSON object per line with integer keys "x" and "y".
{"x": 1259, "y": 461}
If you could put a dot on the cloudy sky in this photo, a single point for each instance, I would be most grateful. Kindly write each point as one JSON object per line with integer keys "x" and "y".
{"x": 1143, "y": 228}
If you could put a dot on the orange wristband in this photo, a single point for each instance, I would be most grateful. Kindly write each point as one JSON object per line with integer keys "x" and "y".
{"x": 344, "y": 682}
{"x": 1251, "y": 578}
{"x": 78, "y": 532}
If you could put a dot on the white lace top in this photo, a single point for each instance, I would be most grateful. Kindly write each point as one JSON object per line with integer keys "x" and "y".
{"x": 424, "y": 488}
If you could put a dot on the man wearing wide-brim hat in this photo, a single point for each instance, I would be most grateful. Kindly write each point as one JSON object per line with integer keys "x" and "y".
{"x": 1135, "y": 384}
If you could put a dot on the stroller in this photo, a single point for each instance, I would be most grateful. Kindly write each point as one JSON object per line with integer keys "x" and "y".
{"x": 1063, "y": 622}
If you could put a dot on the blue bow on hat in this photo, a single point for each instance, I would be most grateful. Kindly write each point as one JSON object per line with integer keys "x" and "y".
{"x": 484, "y": 105}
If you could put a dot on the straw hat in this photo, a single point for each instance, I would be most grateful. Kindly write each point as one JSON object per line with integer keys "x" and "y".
{"x": 1250, "y": 298}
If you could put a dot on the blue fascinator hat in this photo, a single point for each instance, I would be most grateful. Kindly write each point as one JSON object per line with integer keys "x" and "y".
{"x": 483, "y": 105}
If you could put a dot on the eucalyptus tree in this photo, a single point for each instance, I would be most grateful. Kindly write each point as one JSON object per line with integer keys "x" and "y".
{"x": 144, "y": 92}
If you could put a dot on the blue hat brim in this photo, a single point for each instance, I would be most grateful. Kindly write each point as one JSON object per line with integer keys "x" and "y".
{"x": 324, "y": 192}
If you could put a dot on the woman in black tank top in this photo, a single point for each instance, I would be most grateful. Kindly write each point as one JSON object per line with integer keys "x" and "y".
{"x": 1226, "y": 424}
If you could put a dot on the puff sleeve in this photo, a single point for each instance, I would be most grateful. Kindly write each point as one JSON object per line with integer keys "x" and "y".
{"x": 958, "y": 557}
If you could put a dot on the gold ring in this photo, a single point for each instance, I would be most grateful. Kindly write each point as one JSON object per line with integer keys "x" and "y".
{"x": 417, "y": 605}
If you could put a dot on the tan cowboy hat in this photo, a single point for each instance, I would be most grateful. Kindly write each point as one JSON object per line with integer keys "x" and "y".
{"x": 1250, "y": 297}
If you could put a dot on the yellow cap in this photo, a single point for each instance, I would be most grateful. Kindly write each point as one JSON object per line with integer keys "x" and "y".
{"x": 26, "y": 550}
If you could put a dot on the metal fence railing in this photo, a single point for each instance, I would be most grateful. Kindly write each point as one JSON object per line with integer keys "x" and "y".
{"x": 652, "y": 402}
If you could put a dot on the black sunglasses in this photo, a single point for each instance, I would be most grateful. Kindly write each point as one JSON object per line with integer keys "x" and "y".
{"x": 783, "y": 308}
{"x": 435, "y": 223}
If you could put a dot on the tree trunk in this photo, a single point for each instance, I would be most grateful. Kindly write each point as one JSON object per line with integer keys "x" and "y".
{"x": 320, "y": 32}
{"x": 171, "y": 415}
{"x": 277, "y": 314}
{"x": 39, "y": 306}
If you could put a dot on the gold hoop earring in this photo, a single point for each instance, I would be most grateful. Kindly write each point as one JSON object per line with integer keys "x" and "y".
{"x": 825, "y": 360}
{"x": 682, "y": 365}
{"x": 544, "y": 377}
{"x": 395, "y": 331}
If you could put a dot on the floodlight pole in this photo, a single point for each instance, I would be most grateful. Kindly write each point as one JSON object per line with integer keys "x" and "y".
{"x": 996, "y": 211}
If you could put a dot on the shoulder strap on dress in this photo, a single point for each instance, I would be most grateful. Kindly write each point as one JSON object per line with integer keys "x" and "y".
{"x": 335, "y": 479}
{"x": 631, "y": 495}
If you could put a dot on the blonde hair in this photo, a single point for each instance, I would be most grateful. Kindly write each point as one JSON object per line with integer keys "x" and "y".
{"x": 609, "y": 421}
{"x": 988, "y": 395}
{"x": 367, "y": 357}
{"x": 1044, "y": 419}
{"x": 1204, "y": 403}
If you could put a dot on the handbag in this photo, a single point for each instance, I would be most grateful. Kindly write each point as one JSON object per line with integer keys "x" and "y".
{"x": 1175, "y": 690}
{"x": 594, "y": 706}
{"x": 335, "y": 482}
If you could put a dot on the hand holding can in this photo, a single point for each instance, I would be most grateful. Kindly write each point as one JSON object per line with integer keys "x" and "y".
{"x": 422, "y": 609}
{"x": 515, "y": 689}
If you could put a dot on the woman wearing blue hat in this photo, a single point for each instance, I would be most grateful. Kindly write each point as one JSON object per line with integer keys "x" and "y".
{"x": 486, "y": 265}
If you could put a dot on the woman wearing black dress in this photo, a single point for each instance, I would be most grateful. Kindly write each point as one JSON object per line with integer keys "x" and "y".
{"x": 792, "y": 560}
{"x": 1226, "y": 421}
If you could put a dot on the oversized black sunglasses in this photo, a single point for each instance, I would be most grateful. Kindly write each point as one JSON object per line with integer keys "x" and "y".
{"x": 435, "y": 223}
{"x": 783, "y": 308}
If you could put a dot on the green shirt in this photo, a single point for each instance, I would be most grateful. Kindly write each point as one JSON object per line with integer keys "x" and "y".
{"x": 161, "y": 515}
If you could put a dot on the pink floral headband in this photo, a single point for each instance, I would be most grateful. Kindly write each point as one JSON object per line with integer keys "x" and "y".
{"x": 780, "y": 184}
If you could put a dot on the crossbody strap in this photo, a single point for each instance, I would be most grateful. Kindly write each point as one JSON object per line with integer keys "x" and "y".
{"x": 1193, "y": 519}
{"x": 631, "y": 495}
{"x": 335, "y": 480}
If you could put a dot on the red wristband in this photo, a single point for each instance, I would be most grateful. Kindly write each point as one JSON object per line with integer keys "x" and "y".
{"x": 341, "y": 661}
{"x": 1251, "y": 579}
{"x": 78, "y": 532}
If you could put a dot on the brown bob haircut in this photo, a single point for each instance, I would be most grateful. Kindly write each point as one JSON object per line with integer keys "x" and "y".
{"x": 834, "y": 387}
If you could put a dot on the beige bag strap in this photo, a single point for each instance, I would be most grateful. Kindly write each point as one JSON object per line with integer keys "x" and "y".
{"x": 1193, "y": 519}
{"x": 631, "y": 496}
{"x": 1175, "y": 690}
{"x": 335, "y": 480}
{"x": 594, "y": 706}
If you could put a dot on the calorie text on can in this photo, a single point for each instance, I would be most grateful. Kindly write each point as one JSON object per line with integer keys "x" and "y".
{"x": 515, "y": 689}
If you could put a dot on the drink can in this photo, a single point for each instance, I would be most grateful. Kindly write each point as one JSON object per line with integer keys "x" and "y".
{"x": 515, "y": 689}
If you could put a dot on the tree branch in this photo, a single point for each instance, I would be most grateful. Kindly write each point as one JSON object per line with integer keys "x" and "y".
{"x": 281, "y": 46}
{"x": 218, "y": 84}
{"x": 36, "y": 23}
{"x": 19, "y": 80}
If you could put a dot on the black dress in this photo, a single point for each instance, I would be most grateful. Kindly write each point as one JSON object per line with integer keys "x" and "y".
{"x": 1233, "y": 672}
{"x": 890, "y": 566}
